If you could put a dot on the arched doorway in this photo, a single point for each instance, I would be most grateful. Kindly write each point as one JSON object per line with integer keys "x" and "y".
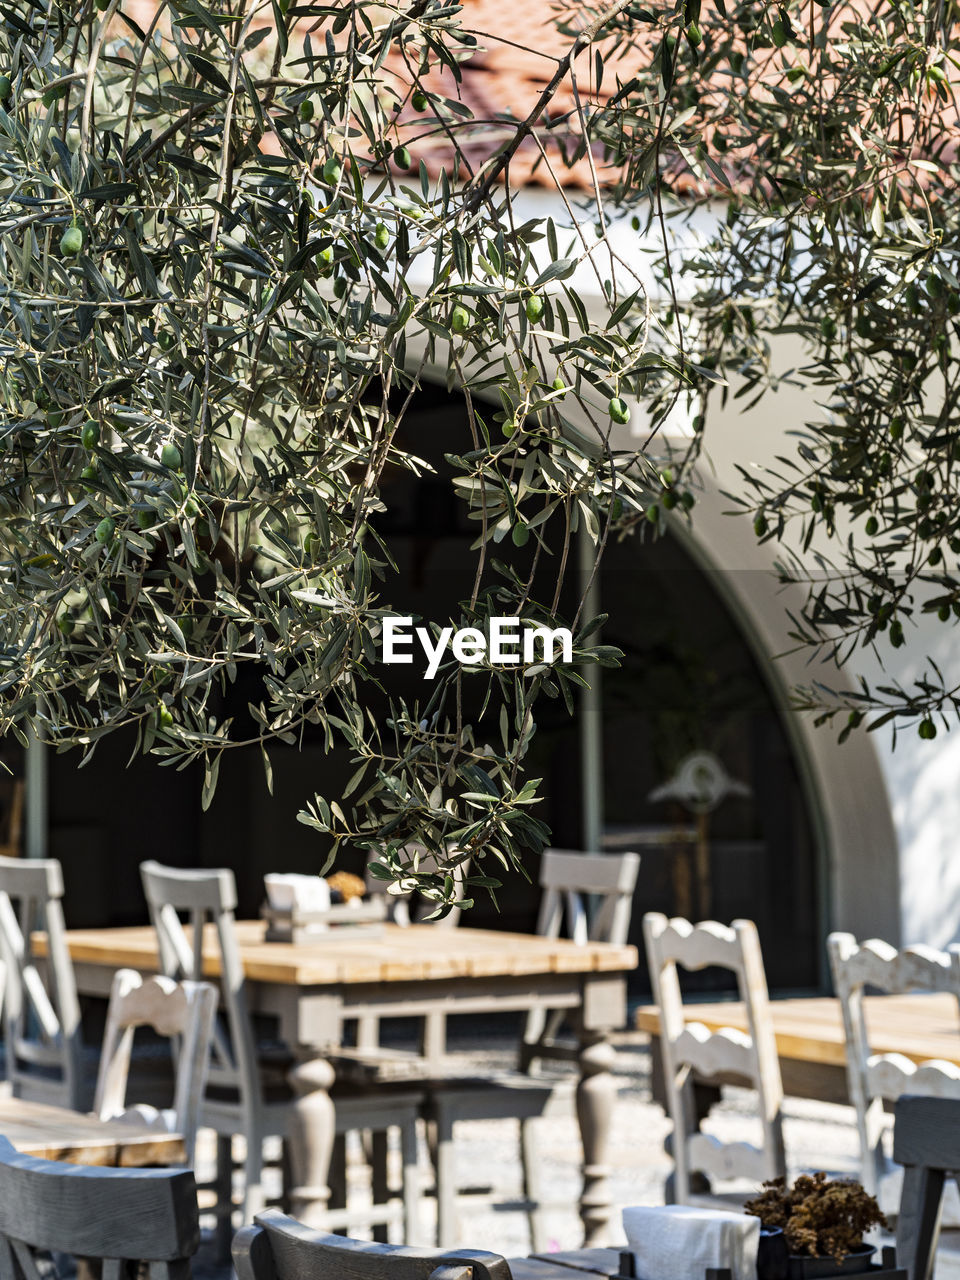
{"x": 690, "y": 682}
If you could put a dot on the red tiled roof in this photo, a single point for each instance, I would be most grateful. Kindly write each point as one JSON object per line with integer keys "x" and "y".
{"x": 518, "y": 49}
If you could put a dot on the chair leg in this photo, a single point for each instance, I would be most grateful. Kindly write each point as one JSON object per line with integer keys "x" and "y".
{"x": 918, "y": 1225}
{"x": 411, "y": 1182}
{"x": 530, "y": 1161}
{"x": 253, "y": 1196}
{"x": 286, "y": 1177}
{"x": 338, "y": 1175}
{"x": 379, "y": 1180}
{"x": 223, "y": 1183}
{"x": 445, "y": 1165}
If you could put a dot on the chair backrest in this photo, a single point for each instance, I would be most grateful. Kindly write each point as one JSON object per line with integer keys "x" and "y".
{"x": 204, "y": 896}
{"x": 117, "y": 1215}
{"x": 877, "y": 1077}
{"x": 182, "y": 1010}
{"x": 40, "y": 1008}
{"x": 926, "y": 1141}
{"x": 568, "y": 879}
{"x": 399, "y": 904}
{"x": 690, "y": 1048}
{"x": 280, "y": 1248}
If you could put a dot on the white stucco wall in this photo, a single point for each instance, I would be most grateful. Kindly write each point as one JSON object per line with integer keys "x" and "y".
{"x": 919, "y": 778}
{"x": 888, "y": 818}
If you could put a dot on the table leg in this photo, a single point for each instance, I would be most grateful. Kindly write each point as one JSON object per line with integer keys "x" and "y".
{"x": 310, "y": 1140}
{"x": 596, "y": 1094}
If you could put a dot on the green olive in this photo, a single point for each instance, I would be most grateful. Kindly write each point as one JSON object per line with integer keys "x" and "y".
{"x": 459, "y": 319}
{"x": 170, "y": 456}
{"x": 71, "y": 242}
{"x": 619, "y": 410}
{"x": 105, "y": 530}
{"x": 90, "y": 435}
{"x": 534, "y": 308}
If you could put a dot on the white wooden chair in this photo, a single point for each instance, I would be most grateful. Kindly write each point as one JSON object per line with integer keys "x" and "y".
{"x": 247, "y": 1093}
{"x": 688, "y": 1049}
{"x": 119, "y": 1216}
{"x": 41, "y": 1012}
{"x": 185, "y": 1010}
{"x": 567, "y": 879}
{"x": 279, "y": 1248}
{"x": 877, "y": 1078}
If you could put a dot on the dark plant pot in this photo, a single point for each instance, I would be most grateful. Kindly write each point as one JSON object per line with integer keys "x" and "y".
{"x": 805, "y": 1267}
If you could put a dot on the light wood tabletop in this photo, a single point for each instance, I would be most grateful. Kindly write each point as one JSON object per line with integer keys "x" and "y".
{"x": 921, "y": 1027}
{"x": 56, "y": 1133}
{"x": 415, "y": 953}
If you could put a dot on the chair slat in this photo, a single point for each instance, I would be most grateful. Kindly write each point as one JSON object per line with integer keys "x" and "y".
{"x": 280, "y": 1248}
{"x": 135, "y": 1214}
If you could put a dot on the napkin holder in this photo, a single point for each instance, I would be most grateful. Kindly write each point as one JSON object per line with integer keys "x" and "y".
{"x": 298, "y": 910}
{"x": 341, "y": 920}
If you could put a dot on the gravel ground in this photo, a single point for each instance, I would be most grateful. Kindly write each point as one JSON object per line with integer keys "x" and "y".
{"x": 818, "y": 1136}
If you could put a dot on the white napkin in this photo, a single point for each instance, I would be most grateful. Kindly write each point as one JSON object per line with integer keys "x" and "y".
{"x": 679, "y": 1242}
{"x": 306, "y": 893}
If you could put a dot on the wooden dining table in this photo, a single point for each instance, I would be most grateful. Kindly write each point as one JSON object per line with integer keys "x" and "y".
{"x": 57, "y": 1133}
{"x": 314, "y": 989}
{"x": 810, "y": 1039}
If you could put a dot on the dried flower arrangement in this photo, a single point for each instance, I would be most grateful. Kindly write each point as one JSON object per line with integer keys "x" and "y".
{"x": 825, "y": 1219}
{"x": 346, "y": 885}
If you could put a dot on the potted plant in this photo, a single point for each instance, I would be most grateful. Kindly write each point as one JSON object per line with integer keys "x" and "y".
{"x": 822, "y": 1222}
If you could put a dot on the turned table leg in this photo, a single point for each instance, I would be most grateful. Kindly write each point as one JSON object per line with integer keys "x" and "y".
{"x": 596, "y": 1095}
{"x": 310, "y": 1140}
